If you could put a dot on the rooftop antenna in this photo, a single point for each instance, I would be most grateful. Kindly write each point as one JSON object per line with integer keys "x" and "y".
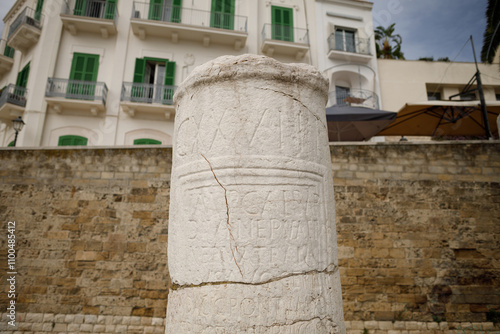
{"x": 481, "y": 95}
{"x": 468, "y": 89}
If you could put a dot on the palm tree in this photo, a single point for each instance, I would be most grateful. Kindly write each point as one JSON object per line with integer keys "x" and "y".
{"x": 491, "y": 34}
{"x": 384, "y": 37}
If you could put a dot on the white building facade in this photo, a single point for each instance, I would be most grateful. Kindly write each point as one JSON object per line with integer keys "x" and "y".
{"x": 103, "y": 72}
{"x": 346, "y": 52}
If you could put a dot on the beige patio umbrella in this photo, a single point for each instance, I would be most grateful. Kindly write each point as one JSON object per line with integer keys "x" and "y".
{"x": 443, "y": 118}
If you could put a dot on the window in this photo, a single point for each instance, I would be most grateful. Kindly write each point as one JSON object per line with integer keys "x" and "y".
{"x": 95, "y": 8}
{"x": 22, "y": 82}
{"x": 71, "y": 140}
{"x": 22, "y": 77}
{"x": 222, "y": 15}
{"x": 8, "y": 52}
{"x": 83, "y": 68}
{"x": 342, "y": 93}
{"x": 146, "y": 141}
{"x": 433, "y": 96}
{"x": 497, "y": 96}
{"x": 345, "y": 40}
{"x": 157, "y": 77}
{"x": 282, "y": 23}
{"x": 165, "y": 10}
{"x": 38, "y": 10}
{"x": 468, "y": 96}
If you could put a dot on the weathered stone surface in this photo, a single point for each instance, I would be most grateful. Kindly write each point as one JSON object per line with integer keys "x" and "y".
{"x": 252, "y": 200}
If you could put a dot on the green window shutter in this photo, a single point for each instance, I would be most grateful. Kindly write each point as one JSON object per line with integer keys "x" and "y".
{"x": 91, "y": 69}
{"x": 222, "y": 15}
{"x": 22, "y": 77}
{"x": 83, "y": 68}
{"x": 11, "y": 144}
{"x": 38, "y": 10}
{"x": 176, "y": 11}
{"x": 168, "y": 92}
{"x": 109, "y": 12}
{"x": 26, "y": 71}
{"x": 146, "y": 141}
{"x": 139, "y": 91}
{"x": 77, "y": 66}
{"x": 140, "y": 68}
{"x": 80, "y": 7}
{"x": 282, "y": 23}
{"x": 9, "y": 52}
{"x": 170, "y": 73}
{"x": 155, "y": 9}
{"x": 71, "y": 140}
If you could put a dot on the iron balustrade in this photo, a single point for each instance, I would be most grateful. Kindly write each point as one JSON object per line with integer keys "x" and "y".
{"x": 100, "y": 9}
{"x": 195, "y": 17}
{"x": 13, "y": 94}
{"x": 28, "y": 16}
{"x": 5, "y": 49}
{"x": 147, "y": 93}
{"x": 76, "y": 89}
{"x": 358, "y": 97}
{"x": 285, "y": 33}
{"x": 356, "y": 45}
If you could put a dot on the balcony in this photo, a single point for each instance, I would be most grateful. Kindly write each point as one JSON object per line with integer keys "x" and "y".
{"x": 75, "y": 95}
{"x": 285, "y": 40}
{"x": 176, "y": 23}
{"x": 148, "y": 99}
{"x": 353, "y": 50}
{"x": 94, "y": 16}
{"x": 6, "y": 57}
{"x": 12, "y": 101}
{"x": 25, "y": 31}
{"x": 354, "y": 97}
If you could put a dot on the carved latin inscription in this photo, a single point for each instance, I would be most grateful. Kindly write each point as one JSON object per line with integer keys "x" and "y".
{"x": 252, "y": 239}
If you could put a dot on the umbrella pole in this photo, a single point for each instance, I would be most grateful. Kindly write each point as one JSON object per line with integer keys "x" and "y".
{"x": 481, "y": 96}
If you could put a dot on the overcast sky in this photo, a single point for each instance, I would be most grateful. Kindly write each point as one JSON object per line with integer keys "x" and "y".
{"x": 429, "y": 28}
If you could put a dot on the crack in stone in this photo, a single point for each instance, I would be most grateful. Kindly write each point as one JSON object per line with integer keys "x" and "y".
{"x": 272, "y": 280}
{"x": 228, "y": 225}
{"x": 321, "y": 319}
{"x": 296, "y": 100}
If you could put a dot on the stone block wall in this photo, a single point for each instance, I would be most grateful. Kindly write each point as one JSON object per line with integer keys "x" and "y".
{"x": 91, "y": 237}
{"x": 418, "y": 228}
{"x": 419, "y": 234}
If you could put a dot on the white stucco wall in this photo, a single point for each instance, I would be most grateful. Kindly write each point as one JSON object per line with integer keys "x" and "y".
{"x": 403, "y": 81}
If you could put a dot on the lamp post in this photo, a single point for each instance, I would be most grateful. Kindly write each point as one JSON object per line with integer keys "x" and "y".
{"x": 17, "y": 124}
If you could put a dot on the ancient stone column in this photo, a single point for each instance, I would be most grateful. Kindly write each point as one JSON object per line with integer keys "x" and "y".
{"x": 252, "y": 242}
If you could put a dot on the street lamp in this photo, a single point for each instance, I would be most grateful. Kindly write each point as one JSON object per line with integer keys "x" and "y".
{"x": 17, "y": 124}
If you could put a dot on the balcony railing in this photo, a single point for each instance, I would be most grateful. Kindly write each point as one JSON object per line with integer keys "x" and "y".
{"x": 5, "y": 49}
{"x": 14, "y": 95}
{"x": 195, "y": 17}
{"x": 358, "y": 97}
{"x": 28, "y": 16}
{"x": 78, "y": 90}
{"x": 147, "y": 93}
{"x": 285, "y": 33}
{"x": 356, "y": 45}
{"x": 92, "y": 8}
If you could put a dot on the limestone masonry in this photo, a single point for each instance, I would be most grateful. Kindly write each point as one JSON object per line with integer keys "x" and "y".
{"x": 418, "y": 234}
{"x": 252, "y": 239}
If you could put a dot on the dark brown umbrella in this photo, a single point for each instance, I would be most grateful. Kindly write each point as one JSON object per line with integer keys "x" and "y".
{"x": 443, "y": 118}
{"x": 346, "y": 123}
